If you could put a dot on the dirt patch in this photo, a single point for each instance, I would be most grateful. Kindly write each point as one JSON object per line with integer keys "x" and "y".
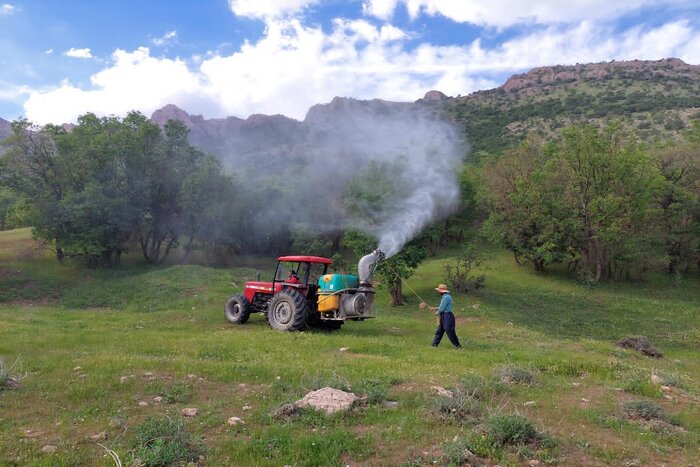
{"x": 640, "y": 344}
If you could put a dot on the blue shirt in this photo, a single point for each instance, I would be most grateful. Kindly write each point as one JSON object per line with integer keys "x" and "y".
{"x": 445, "y": 303}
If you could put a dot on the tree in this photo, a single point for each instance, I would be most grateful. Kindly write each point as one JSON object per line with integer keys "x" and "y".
{"x": 679, "y": 202}
{"x": 609, "y": 184}
{"x": 111, "y": 181}
{"x": 392, "y": 271}
{"x": 526, "y": 214}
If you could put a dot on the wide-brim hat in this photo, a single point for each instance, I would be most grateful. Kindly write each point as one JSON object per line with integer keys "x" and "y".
{"x": 442, "y": 288}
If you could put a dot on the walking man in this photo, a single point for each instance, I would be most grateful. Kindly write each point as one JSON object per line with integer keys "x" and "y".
{"x": 446, "y": 323}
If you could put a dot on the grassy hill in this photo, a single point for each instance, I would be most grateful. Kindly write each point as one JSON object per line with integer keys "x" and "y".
{"x": 540, "y": 377}
{"x": 657, "y": 99}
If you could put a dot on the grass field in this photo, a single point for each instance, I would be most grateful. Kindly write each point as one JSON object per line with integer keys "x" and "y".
{"x": 539, "y": 380}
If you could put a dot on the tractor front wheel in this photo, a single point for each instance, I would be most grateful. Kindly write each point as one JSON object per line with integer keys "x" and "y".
{"x": 288, "y": 311}
{"x": 237, "y": 310}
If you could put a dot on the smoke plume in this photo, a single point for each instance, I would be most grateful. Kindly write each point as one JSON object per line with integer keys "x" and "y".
{"x": 388, "y": 169}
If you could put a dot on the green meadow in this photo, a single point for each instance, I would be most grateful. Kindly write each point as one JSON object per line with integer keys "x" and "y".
{"x": 540, "y": 380}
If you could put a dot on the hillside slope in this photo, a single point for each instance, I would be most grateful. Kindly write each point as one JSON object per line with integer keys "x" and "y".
{"x": 657, "y": 99}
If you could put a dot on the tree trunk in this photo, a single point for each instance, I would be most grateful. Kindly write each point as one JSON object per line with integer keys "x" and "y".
{"x": 60, "y": 254}
{"x": 396, "y": 295}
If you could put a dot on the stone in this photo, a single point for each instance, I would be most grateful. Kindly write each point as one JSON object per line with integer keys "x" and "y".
{"x": 665, "y": 388}
{"x": 158, "y": 399}
{"x": 343, "y": 349}
{"x": 328, "y": 400}
{"x": 440, "y": 391}
{"x": 148, "y": 373}
{"x": 235, "y": 421}
{"x": 285, "y": 412}
{"x": 534, "y": 462}
{"x": 123, "y": 379}
{"x": 77, "y": 368}
{"x": 49, "y": 449}
{"x": 390, "y": 404}
{"x": 101, "y": 436}
{"x": 530, "y": 404}
{"x": 143, "y": 403}
{"x": 655, "y": 379}
{"x": 246, "y": 407}
{"x": 189, "y": 412}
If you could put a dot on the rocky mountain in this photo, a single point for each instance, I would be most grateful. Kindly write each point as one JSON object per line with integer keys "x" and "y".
{"x": 657, "y": 99}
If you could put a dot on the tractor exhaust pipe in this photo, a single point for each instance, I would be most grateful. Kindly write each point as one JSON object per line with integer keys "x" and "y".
{"x": 367, "y": 265}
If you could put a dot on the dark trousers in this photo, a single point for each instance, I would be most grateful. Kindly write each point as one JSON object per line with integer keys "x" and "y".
{"x": 447, "y": 325}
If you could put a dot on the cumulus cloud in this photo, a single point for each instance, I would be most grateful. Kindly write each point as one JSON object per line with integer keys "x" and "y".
{"x": 7, "y": 9}
{"x": 78, "y": 53}
{"x": 504, "y": 13}
{"x": 294, "y": 66}
{"x": 268, "y": 8}
{"x": 166, "y": 39}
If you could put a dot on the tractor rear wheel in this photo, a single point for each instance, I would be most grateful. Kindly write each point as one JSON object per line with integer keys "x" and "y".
{"x": 237, "y": 310}
{"x": 288, "y": 311}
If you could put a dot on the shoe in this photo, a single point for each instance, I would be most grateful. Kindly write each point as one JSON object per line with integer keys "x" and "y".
{"x": 458, "y": 348}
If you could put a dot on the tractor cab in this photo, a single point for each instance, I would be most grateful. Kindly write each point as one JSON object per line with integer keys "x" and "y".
{"x": 299, "y": 272}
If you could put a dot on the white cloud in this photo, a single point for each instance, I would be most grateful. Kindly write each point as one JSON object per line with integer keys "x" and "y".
{"x": 504, "y": 13}
{"x": 166, "y": 39}
{"x": 294, "y": 66}
{"x": 7, "y": 9}
{"x": 48, "y": 51}
{"x": 78, "y": 53}
{"x": 269, "y": 8}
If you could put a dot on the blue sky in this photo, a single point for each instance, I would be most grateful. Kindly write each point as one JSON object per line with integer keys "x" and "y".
{"x": 218, "y": 58}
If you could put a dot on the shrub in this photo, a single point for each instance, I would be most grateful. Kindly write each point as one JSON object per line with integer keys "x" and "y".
{"x": 511, "y": 429}
{"x": 164, "y": 441}
{"x": 461, "y": 406}
{"x": 375, "y": 391}
{"x": 479, "y": 387}
{"x": 9, "y": 378}
{"x": 644, "y": 409}
{"x": 514, "y": 375}
{"x": 459, "y": 271}
{"x": 178, "y": 393}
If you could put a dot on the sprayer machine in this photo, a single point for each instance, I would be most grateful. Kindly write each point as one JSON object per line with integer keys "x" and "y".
{"x": 302, "y": 293}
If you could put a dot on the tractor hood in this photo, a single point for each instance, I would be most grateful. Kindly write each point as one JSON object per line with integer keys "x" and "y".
{"x": 367, "y": 265}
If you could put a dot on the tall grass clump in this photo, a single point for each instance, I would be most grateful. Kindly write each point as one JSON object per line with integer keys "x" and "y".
{"x": 164, "y": 441}
{"x": 9, "y": 375}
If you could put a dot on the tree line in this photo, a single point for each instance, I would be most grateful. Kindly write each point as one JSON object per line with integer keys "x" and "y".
{"x": 598, "y": 200}
{"x": 111, "y": 184}
{"x": 595, "y": 199}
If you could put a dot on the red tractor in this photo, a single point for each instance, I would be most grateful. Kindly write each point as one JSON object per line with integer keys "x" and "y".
{"x": 303, "y": 293}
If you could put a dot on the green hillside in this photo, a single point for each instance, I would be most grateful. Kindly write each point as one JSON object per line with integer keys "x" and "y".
{"x": 540, "y": 378}
{"x": 657, "y": 99}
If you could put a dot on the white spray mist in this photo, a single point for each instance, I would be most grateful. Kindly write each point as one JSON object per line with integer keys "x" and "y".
{"x": 317, "y": 159}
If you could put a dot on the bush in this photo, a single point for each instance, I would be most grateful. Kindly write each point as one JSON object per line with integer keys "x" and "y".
{"x": 513, "y": 375}
{"x": 644, "y": 409}
{"x": 9, "y": 378}
{"x": 178, "y": 393}
{"x": 516, "y": 430}
{"x": 375, "y": 391}
{"x": 459, "y": 271}
{"x": 511, "y": 429}
{"x": 164, "y": 441}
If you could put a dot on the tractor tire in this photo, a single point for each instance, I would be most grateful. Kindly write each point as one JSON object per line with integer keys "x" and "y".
{"x": 288, "y": 311}
{"x": 237, "y": 309}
